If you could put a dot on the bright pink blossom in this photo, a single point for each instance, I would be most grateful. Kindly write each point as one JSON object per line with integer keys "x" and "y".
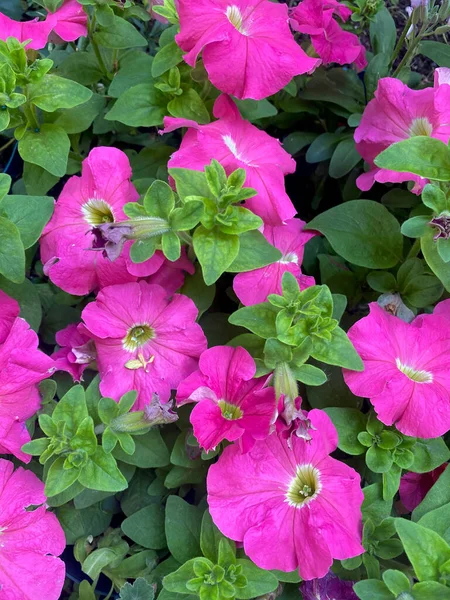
{"x": 77, "y": 350}
{"x": 292, "y": 507}
{"x": 398, "y": 113}
{"x": 406, "y": 370}
{"x": 31, "y": 539}
{"x": 253, "y": 287}
{"x": 71, "y": 21}
{"x": 332, "y": 43}
{"x": 96, "y": 197}
{"x": 247, "y": 47}
{"x": 231, "y": 404}
{"x": 36, "y": 31}
{"x": 158, "y": 269}
{"x": 236, "y": 143}
{"x": 415, "y": 486}
{"x": 145, "y": 341}
{"x": 22, "y": 367}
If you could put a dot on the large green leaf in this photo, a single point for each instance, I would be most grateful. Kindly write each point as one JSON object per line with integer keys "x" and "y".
{"x": 102, "y": 473}
{"x": 215, "y": 251}
{"x": 119, "y": 35}
{"x": 437, "y": 51}
{"x": 29, "y": 214}
{"x": 254, "y": 252}
{"x": 48, "y": 148}
{"x": 53, "y": 92}
{"x": 146, "y": 527}
{"x": 421, "y": 155}
{"x": 140, "y": 106}
{"x": 363, "y": 232}
{"x": 183, "y": 524}
{"x": 12, "y": 253}
{"x": 434, "y": 261}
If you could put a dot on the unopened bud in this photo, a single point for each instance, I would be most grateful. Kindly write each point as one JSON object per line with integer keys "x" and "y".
{"x": 284, "y": 381}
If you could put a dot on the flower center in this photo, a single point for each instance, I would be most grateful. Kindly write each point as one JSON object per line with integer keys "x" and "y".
{"x": 138, "y": 336}
{"x": 96, "y": 212}
{"x": 231, "y": 412}
{"x": 304, "y": 487}
{"x": 421, "y": 126}
{"x": 234, "y": 15}
{"x": 414, "y": 374}
{"x": 289, "y": 257}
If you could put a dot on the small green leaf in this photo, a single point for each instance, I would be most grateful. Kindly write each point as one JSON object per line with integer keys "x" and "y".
{"x": 183, "y": 524}
{"x": 215, "y": 251}
{"x": 29, "y": 214}
{"x": 422, "y": 155}
{"x": 348, "y": 422}
{"x": 146, "y": 527}
{"x": 52, "y": 93}
{"x": 140, "y": 106}
{"x": 259, "y": 319}
{"x": 119, "y": 35}
{"x": 254, "y": 252}
{"x": 48, "y": 148}
{"x": 11, "y": 246}
{"x": 102, "y": 473}
{"x": 59, "y": 479}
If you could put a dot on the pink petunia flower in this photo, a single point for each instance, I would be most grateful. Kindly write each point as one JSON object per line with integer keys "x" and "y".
{"x": 31, "y": 539}
{"x": 406, "y": 370}
{"x": 398, "y": 113}
{"x": 77, "y": 352}
{"x": 36, "y": 31}
{"x": 415, "y": 486}
{"x": 253, "y": 287}
{"x": 22, "y": 367}
{"x": 332, "y": 43}
{"x": 293, "y": 508}
{"x": 247, "y": 47}
{"x": 98, "y": 196}
{"x": 236, "y": 143}
{"x": 144, "y": 341}
{"x": 231, "y": 404}
{"x": 71, "y": 21}
{"x": 158, "y": 269}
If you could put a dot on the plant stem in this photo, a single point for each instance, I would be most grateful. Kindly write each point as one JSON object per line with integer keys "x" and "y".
{"x": 415, "y": 249}
{"x": 98, "y": 54}
{"x": 8, "y": 143}
{"x": 409, "y": 55}
{"x": 401, "y": 40}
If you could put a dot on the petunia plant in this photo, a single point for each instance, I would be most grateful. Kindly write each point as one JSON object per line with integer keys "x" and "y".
{"x": 224, "y": 300}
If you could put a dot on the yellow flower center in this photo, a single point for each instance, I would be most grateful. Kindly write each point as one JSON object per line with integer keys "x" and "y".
{"x": 421, "y": 126}
{"x": 414, "y": 374}
{"x": 96, "y": 212}
{"x": 304, "y": 487}
{"x": 231, "y": 412}
{"x": 234, "y": 15}
{"x": 138, "y": 336}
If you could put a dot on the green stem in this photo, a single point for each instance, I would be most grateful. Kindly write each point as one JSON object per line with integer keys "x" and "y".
{"x": 401, "y": 40}
{"x": 8, "y": 143}
{"x": 30, "y": 113}
{"x": 415, "y": 249}
{"x": 409, "y": 55}
{"x": 185, "y": 237}
{"x": 95, "y": 47}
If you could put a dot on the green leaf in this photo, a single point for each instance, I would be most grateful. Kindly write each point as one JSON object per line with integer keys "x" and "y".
{"x": 438, "y": 496}
{"x": 429, "y": 454}
{"x": 195, "y": 288}
{"x": 383, "y": 32}
{"x": 339, "y": 351}
{"x": 82, "y": 523}
{"x": 171, "y": 246}
{"x": 308, "y": 374}
{"x": 119, "y": 35}
{"x": 176, "y": 582}
{"x": 254, "y": 252}
{"x": 391, "y": 483}
{"x": 135, "y": 67}
{"x": 72, "y": 410}
{"x": 183, "y": 524}
{"x": 188, "y": 105}
{"x": 382, "y": 281}
{"x": 159, "y": 201}
{"x": 146, "y": 527}
{"x": 348, "y": 422}
{"x": 363, "y": 232}
{"x": 437, "y": 51}
{"x": 344, "y": 159}
{"x": 434, "y": 261}
{"x": 142, "y": 250}
{"x": 372, "y": 589}
{"x": 85, "y": 438}
{"x": 29, "y": 214}
{"x": 167, "y": 57}
{"x": 48, "y": 148}
{"x": 421, "y": 155}
{"x": 81, "y": 67}
{"x": 396, "y": 581}
{"x": 151, "y": 451}
{"x": 102, "y": 473}
{"x": 139, "y": 590}
{"x": 416, "y": 226}
{"x": 426, "y": 550}
{"x": 140, "y": 106}
{"x": 37, "y": 180}
{"x": 259, "y": 582}
{"x": 5, "y": 184}
{"x": 80, "y": 118}
{"x": 187, "y": 217}
{"x": 252, "y": 110}
{"x": 438, "y": 521}
{"x": 322, "y": 147}
{"x": 53, "y": 92}
{"x": 59, "y": 479}
{"x": 215, "y": 252}
{"x": 379, "y": 460}
{"x": 430, "y": 590}
{"x": 210, "y": 538}
{"x": 12, "y": 253}
{"x": 259, "y": 319}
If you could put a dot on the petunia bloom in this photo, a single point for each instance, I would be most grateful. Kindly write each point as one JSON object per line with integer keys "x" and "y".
{"x": 31, "y": 539}
{"x": 247, "y": 47}
{"x": 293, "y": 508}
{"x": 398, "y": 113}
{"x": 332, "y": 43}
{"x": 415, "y": 486}
{"x": 236, "y": 143}
{"x": 329, "y": 587}
{"x": 71, "y": 21}
{"x": 77, "y": 350}
{"x": 231, "y": 404}
{"x": 406, "y": 370}
{"x": 67, "y": 242}
{"x": 35, "y": 31}
{"x": 253, "y": 287}
{"x": 144, "y": 340}
{"x": 22, "y": 367}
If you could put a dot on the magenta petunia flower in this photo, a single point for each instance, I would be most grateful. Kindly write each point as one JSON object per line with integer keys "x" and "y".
{"x": 71, "y": 21}
{"x": 329, "y": 587}
{"x": 247, "y": 47}
{"x": 398, "y": 113}
{"x": 31, "y": 539}
{"x": 253, "y": 287}
{"x": 415, "y": 486}
{"x": 98, "y": 196}
{"x": 77, "y": 350}
{"x": 406, "y": 370}
{"x": 231, "y": 404}
{"x": 158, "y": 269}
{"x": 292, "y": 507}
{"x": 236, "y": 143}
{"x": 36, "y": 31}
{"x": 22, "y": 367}
{"x": 332, "y": 43}
{"x": 144, "y": 340}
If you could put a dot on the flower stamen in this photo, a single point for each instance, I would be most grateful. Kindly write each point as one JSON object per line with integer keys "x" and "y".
{"x": 304, "y": 487}
{"x": 138, "y": 336}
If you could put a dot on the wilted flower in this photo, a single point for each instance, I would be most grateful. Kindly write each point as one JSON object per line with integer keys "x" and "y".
{"x": 329, "y": 587}
{"x": 77, "y": 351}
